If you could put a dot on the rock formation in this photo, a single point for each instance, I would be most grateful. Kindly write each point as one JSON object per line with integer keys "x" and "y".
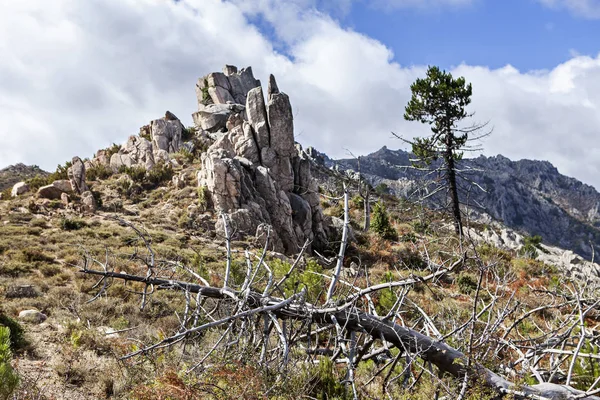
{"x": 253, "y": 171}
{"x": 19, "y": 188}
{"x": 76, "y": 174}
{"x": 153, "y": 145}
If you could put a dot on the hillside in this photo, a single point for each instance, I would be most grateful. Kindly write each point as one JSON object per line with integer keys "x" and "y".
{"x": 16, "y": 173}
{"x": 224, "y": 261}
{"x": 529, "y": 196}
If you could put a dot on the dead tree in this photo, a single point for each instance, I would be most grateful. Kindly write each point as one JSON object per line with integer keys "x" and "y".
{"x": 264, "y": 318}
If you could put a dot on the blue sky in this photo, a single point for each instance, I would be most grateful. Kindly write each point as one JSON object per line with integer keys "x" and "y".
{"x": 523, "y": 33}
{"x": 80, "y": 75}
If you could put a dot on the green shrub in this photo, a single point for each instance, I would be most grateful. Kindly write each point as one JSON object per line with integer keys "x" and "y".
{"x": 531, "y": 245}
{"x": 37, "y": 182}
{"x": 357, "y": 202}
{"x": 466, "y": 283}
{"x": 188, "y": 133}
{"x": 380, "y": 223}
{"x": 98, "y": 172}
{"x": 74, "y": 224}
{"x": 136, "y": 173}
{"x": 8, "y": 377}
{"x": 381, "y": 189}
{"x": 160, "y": 173}
{"x": 17, "y": 334}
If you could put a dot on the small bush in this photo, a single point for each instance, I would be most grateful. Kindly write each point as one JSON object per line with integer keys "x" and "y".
{"x": 380, "y": 223}
{"x": 531, "y": 246}
{"x": 8, "y": 377}
{"x": 37, "y": 182}
{"x": 466, "y": 284}
{"x": 98, "y": 172}
{"x": 67, "y": 224}
{"x": 17, "y": 334}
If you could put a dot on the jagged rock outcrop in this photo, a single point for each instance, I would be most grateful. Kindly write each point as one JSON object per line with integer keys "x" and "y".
{"x": 19, "y": 188}
{"x": 253, "y": 171}
{"x": 165, "y": 136}
{"x": 76, "y": 174}
{"x": 229, "y": 86}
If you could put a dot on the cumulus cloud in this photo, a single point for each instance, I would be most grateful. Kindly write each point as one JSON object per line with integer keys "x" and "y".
{"x": 80, "y": 75}
{"x": 583, "y": 8}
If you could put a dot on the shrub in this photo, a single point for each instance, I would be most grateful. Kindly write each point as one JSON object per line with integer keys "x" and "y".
{"x": 159, "y": 173}
{"x": 17, "y": 334}
{"x": 97, "y": 172}
{"x": 8, "y": 377}
{"x": 357, "y": 202}
{"x": 380, "y": 223}
{"x": 188, "y": 133}
{"x": 531, "y": 246}
{"x": 74, "y": 224}
{"x": 37, "y": 182}
{"x": 466, "y": 284}
{"x": 381, "y": 189}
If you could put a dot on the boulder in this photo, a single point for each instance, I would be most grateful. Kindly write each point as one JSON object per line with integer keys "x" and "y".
{"x": 229, "y": 86}
{"x": 140, "y": 150}
{"x": 32, "y": 316}
{"x": 119, "y": 160}
{"x": 64, "y": 198}
{"x": 88, "y": 203}
{"x": 166, "y": 134}
{"x": 213, "y": 117}
{"x": 19, "y": 188}
{"x": 50, "y": 192}
{"x": 76, "y": 174}
{"x": 63, "y": 185}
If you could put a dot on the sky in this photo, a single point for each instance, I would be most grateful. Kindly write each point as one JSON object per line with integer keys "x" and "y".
{"x": 77, "y": 76}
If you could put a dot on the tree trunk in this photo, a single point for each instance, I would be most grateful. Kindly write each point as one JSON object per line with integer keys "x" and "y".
{"x": 367, "y": 210}
{"x": 451, "y": 175}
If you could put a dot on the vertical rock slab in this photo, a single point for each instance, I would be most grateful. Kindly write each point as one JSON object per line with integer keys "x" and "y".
{"x": 76, "y": 174}
{"x": 257, "y": 116}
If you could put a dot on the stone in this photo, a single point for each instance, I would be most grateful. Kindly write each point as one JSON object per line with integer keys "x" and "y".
{"x": 76, "y": 174}
{"x": 119, "y": 160}
{"x": 140, "y": 150}
{"x": 50, "y": 192}
{"x": 213, "y": 117}
{"x": 19, "y": 188}
{"x": 257, "y": 116}
{"x": 32, "y": 316}
{"x": 63, "y": 185}
{"x": 64, "y": 198}
{"x": 169, "y": 116}
{"x": 166, "y": 135}
{"x": 88, "y": 203}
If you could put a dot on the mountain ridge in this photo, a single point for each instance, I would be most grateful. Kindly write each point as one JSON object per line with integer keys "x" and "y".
{"x": 530, "y": 196}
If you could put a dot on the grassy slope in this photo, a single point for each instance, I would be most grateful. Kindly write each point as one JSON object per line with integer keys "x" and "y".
{"x": 68, "y": 357}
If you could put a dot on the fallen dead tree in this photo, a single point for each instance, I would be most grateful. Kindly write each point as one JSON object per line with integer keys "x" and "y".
{"x": 271, "y": 323}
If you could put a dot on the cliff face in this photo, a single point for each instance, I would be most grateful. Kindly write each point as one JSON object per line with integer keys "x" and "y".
{"x": 529, "y": 196}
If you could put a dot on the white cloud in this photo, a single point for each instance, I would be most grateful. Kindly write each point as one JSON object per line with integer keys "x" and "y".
{"x": 80, "y": 75}
{"x": 583, "y": 8}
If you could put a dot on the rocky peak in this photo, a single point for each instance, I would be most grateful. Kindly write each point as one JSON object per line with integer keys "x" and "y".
{"x": 253, "y": 171}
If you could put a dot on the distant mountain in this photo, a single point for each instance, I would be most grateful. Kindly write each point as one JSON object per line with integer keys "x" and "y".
{"x": 529, "y": 196}
{"x": 17, "y": 173}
